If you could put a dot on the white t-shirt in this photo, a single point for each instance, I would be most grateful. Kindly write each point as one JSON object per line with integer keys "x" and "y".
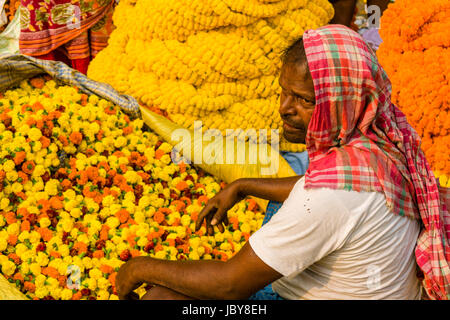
{"x": 339, "y": 244}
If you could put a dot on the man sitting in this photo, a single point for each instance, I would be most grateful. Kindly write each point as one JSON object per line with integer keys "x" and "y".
{"x": 348, "y": 228}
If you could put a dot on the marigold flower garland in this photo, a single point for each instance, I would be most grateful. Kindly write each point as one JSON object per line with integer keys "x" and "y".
{"x": 415, "y": 54}
{"x": 83, "y": 185}
{"x": 211, "y": 60}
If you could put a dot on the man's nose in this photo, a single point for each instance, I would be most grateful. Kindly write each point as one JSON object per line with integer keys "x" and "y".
{"x": 286, "y": 107}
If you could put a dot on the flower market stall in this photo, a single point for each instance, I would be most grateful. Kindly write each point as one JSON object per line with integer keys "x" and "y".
{"x": 96, "y": 188}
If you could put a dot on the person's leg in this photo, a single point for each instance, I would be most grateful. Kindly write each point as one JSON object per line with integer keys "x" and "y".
{"x": 47, "y": 56}
{"x": 77, "y": 50}
{"x": 162, "y": 293}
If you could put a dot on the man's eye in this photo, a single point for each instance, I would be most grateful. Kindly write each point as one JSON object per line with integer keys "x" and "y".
{"x": 304, "y": 100}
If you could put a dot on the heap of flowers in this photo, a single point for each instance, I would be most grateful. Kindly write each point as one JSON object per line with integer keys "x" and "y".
{"x": 415, "y": 54}
{"x": 83, "y": 188}
{"x": 211, "y": 60}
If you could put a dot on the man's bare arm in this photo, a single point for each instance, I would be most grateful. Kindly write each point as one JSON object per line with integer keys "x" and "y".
{"x": 274, "y": 189}
{"x": 238, "y": 278}
{"x": 215, "y": 211}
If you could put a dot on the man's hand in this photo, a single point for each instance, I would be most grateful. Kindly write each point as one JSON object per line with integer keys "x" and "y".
{"x": 127, "y": 280}
{"x": 215, "y": 211}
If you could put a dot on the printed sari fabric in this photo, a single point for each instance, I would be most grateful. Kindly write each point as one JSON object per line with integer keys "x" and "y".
{"x": 358, "y": 140}
{"x": 78, "y": 29}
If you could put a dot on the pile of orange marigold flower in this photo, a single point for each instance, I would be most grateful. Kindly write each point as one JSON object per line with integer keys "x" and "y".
{"x": 416, "y": 54}
{"x": 83, "y": 189}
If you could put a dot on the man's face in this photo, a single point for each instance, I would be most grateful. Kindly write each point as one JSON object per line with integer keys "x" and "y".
{"x": 297, "y": 101}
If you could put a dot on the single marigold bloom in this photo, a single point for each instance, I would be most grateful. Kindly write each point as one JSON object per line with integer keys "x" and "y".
{"x": 22, "y": 175}
{"x": 98, "y": 254}
{"x": 50, "y": 271}
{"x": 122, "y": 215}
{"x": 84, "y": 99}
{"x": 100, "y": 134}
{"x": 111, "y": 110}
{"x": 106, "y": 269}
{"x": 202, "y": 200}
{"x": 19, "y": 157}
{"x": 10, "y": 217}
{"x": 28, "y": 167}
{"x": 119, "y": 179}
{"x": 76, "y": 137}
{"x": 66, "y": 184}
{"x": 55, "y": 254}
{"x": 135, "y": 253}
{"x": 118, "y": 154}
{"x": 90, "y": 152}
{"x": 43, "y": 205}
{"x": 159, "y": 153}
{"x": 40, "y": 124}
{"x": 103, "y": 165}
{"x": 182, "y": 185}
{"x": 25, "y": 226}
{"x": 194, "y": 215}
{"x": 112, "y": 278}
{"x": 125, "y": 255}
{"x": 127, "y": 130}
{"x": 29, "y": 286}
{"x": 81, "y": 247}
{"x": 62, "y": 280}
{"x": 12, "y": 239}
{"x": 45, "y": 233}
{"x": 82, "y": 178}
{"x": 159, "y": 217}
{"x": 56, "y": 203}
{"x": 15, "y": 258}
{"x": 37, "y": 82}
{"x": 18, "y": 276}
{"x": 63, "y": 140}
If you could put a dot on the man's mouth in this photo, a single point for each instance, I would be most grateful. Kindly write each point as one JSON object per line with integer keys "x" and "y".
{"x": 289, "y": 127}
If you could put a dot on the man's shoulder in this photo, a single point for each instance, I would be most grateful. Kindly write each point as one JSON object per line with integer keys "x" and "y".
{"x": 338, "y": 197}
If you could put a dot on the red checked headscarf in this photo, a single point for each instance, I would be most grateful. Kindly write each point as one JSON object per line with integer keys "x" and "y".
{"x": 358, "y": 140}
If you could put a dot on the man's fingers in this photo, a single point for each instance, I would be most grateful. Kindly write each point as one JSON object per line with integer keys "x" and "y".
{"x": 218, "y": 217}
{"x": 209, "y": 206}
{"x": 225, "y": 220}
{"x": 209, "y": 227}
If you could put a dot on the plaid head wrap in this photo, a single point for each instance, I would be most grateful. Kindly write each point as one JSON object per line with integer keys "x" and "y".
{"x": 358, "y": 140}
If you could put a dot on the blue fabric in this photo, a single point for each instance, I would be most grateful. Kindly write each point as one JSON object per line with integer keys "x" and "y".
{"x": 299, "y": 162}
{"x": 266, "y": 294}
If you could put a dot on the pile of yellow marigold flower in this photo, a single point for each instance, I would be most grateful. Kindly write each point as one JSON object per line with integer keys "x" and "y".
{"x": 211, "y": 60}
{"x": 416, "y": 55}
{"x": 82, "y": 185}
